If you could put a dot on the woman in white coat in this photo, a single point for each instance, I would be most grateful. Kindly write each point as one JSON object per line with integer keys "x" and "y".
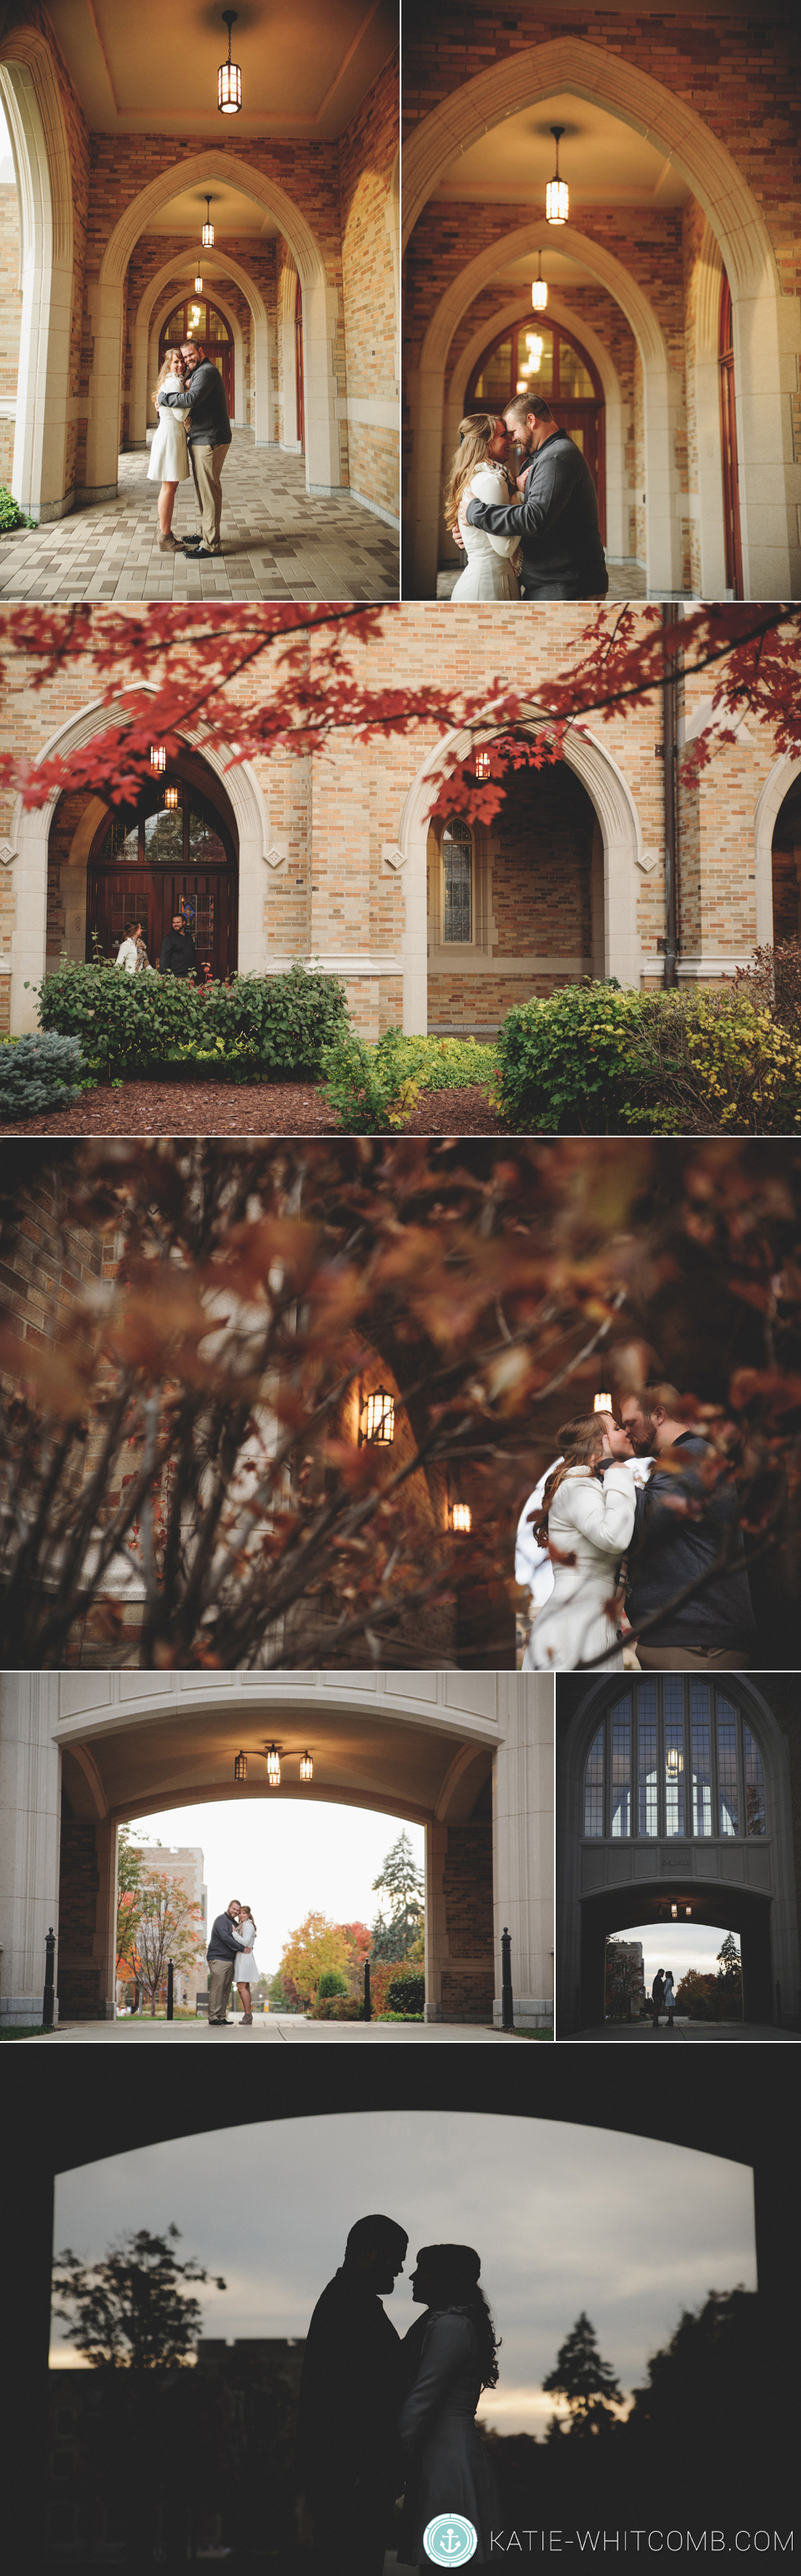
{"x": 169, "y": 454}
{"x": 449, "y": 2470}
{"x": 588, "y": 1523}
{"x": 477, "y": 474}
{"x": 248, "y": 1971}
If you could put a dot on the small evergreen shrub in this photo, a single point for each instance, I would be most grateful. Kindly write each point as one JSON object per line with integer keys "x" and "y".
{"x": 11, "y": 516}
{"x": 331, "y": 1982}
{"x": 591, "y": 1060}
{"x": 407, "y": 1996}
{"x": 39, "y": 1072}
{"x": 256, "y": 1026}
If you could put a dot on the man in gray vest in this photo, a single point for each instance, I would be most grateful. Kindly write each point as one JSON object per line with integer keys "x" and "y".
{"x": 557, "y": 517}
{"x": 208, "y": 432}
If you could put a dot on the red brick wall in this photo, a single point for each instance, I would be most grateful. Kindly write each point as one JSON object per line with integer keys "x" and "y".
{"x": 149, "y": 257}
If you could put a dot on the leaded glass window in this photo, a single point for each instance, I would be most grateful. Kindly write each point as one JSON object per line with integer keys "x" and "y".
{"x": 594, "y": 1786}
{"x": 675, "y": 1758}
{"x": 647, "y": 1759}
{"x": 621, "y": 1767}
{"x": 754, "y": 1785}
{"x": 701, "y": 1758}
{"x": 727, "y": 1768}
{"x": 457, "y": 882}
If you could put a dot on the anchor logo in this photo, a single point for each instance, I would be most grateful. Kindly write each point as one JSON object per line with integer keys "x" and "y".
{"x": 450, "y": 2539}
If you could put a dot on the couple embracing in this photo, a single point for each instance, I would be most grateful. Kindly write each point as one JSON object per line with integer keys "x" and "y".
{"x": 194, "y": 432}
{"x": 378, "y": 2414}
{"x": 534, "y": 538}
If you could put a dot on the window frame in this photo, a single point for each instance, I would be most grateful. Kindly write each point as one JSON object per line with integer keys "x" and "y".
{"x": 671, "y": 1693}
{"x": 459, "y": 834}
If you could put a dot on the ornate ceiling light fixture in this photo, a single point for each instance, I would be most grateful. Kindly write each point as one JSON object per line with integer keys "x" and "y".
{"x": 229, "y": 77}
{"x": 557, "y": 201}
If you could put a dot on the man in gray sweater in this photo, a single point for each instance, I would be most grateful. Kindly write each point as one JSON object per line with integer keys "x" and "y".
{"x": 208, "y": 431}
{"x": 557, "y": 518}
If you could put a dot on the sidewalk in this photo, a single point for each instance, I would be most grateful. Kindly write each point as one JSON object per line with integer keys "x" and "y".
{"x": 684, "y": 2033}
{"x": 290, "y": 2030}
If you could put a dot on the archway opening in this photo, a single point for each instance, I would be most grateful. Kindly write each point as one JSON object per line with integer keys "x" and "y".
{"x": 10, "y": 302}
{"x": 786, "y": 868}
{"x": 515, "y": 907}
{"x": 175, "y": 850}
{"x": 728, "y": 430}
{"x": 547, "y": 359}
{"x": 299, "y": 399}
{"x": 704, "y": 1960}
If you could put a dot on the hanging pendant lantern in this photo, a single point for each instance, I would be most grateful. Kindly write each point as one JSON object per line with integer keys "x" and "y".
{"x": 158, "y": 758}
{"x": 602, "y": 1404}
{"x": 482, "y": 764}
{"x": 461, "y": 1517}
{"x": 207, "y": 235}
{"x": 539, "y": 288}
{"x": 229, "y": 77}
{"x": 198, "y": 285}
{"x": 378, "y": 1417}
{"x": 306, "y": 1767}
{"x": 241, "y": 1767}
{"x": 556, "y": 195}
{"x": 171, "y": 799}
{"x": 273, "y": 1767}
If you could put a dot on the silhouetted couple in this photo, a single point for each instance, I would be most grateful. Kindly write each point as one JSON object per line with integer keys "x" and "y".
{"x": 663, "y": 1997}
{"x": 379, "y": 2414}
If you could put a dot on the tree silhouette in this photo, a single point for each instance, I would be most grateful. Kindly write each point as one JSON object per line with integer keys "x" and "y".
{"x": 130, "y": 2311}
{"x": 586, "y": 2382}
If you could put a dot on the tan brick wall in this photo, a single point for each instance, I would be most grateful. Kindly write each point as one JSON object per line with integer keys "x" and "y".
{"x": 10, "y": 295}
{"x": 366, "y": 153}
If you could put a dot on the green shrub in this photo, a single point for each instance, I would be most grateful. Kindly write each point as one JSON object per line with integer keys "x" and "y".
{"x": 406, "y": 1996}
{"x": 331, "y": 1982}
{"x": 595, "y": 1061}
{"x": 144, "y": 1024}
{"x": 365, "y": 1093}
{"x": 439, "y": 1064}
{"x": 11, "y": 516}
{"x": 339, "y": 2008}
{"x": 39, "y": 1072}
{"x": 398, "y": 2016}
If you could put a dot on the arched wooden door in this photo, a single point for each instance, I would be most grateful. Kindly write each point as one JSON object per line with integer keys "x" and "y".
{"x": 728, "y": 432}
{"x": 546, "y": 357}
{"x": 156, "y": 862}
{"x": 198, "y": 319}
{"x": 301, "y": 431}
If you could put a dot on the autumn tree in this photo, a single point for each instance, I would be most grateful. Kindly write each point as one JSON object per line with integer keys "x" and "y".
{"x": 132, "y": 2310}
{"x": 586, "y": 2382}
{"x": 167, "y": 1927}
{"x": 129, "y": 1879}
{"x": 317, "y": 1946}
{"x": 196, "y": 1425}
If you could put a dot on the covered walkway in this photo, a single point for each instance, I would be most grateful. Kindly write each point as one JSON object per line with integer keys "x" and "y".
{"x": 279, "y": 541}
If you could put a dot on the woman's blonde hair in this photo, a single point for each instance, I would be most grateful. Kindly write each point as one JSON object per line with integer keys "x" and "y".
{"x": 474, "y": 435}
{"x": 166, "y": 370}
{"x": 582, "y": 1444}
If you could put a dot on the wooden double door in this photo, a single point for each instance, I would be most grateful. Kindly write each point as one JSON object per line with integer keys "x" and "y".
{"x": 119, "y": 895}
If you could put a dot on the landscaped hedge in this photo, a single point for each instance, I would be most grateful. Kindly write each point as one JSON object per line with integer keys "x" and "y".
{"x": 372, "y": 1088}
{"x": 407, "y": 1996}
{"x": 592, "y": 1060}
{"x": 39, "y": 1072}
{"x": 148, "y": 1024}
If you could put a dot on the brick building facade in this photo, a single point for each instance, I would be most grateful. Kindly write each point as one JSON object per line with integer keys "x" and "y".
{"x": 102, "y": 268}
{"x": 638, "y": 274}
{"x": 337, "y": 858}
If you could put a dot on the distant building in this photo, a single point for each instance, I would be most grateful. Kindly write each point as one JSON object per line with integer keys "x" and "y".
{"x": 183, "y": 1865}
{"x": 174, "y": 2463}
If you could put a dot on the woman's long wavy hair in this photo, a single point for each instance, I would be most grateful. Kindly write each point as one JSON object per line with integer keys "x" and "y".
{"x": 475, "y": 433}
{"x": 452, "y": 2285}
{"x": 166, "y": 370}
{"x": 582, "y": 1445}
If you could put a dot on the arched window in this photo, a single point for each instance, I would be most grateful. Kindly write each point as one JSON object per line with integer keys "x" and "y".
{"x": 457, "y": 882}
{"x": 674, "y": 1758}
{"x": 197, "y": 319}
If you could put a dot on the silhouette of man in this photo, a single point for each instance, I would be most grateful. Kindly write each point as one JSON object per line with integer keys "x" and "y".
{"x": 350, "y": 2394}
{"x": 657, "y": 1998}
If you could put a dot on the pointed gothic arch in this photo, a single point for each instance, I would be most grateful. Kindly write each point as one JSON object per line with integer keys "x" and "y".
{"x": 40, "y": 152}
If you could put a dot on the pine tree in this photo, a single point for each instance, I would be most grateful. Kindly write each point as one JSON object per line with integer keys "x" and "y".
{"x": 402, "y": 1881}
{"x": 579, "y": 2375}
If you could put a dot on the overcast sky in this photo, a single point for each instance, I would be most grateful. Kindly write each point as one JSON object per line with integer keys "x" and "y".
{"x": 678, "y": 1946}
{"x": 564, "y": 2218}
{"x": 286, "y": 1858}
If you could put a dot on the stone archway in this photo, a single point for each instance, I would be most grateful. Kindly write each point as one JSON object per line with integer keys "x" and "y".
{"x": 320, "y": 307}
{"x": 159, "y": 317}
{"x": 661, "y": 400}
{"x": 287, "y": 297}
{"x": 116, "y": 1747}
{"x": 43, "y": 472}
{"x": 768, "y": 807}
{"x": 617, "y": 497}
{"x": 766, "y": 322}
{"x": 30, "y": 834}
{"x": 623, "y": 853}
{"x": 146, "y": 324}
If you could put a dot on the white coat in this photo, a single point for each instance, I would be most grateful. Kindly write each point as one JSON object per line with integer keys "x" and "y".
{"x": 489, "y": 573}
{"x": 592, "y": 1522}
{"x": 169, "y": 454}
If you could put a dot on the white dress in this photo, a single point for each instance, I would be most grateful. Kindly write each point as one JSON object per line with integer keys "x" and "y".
{"x": 245, "y": 1969}
{"x": 592, "y": 1523}
{"x": 489, "y": 573}
{"x": 169, "y": 454}
{"x": 449, "y": 2468}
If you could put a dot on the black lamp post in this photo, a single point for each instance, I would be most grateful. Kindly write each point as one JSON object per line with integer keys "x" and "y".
{"x": 48, "y": 1996}
{"x": 368, "y": 2009}
{"x": 170, "y": 2013}
{"x": 507, "y": 1997}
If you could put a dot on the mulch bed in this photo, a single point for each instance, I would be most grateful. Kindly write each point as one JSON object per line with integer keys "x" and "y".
{"x": 246, "y": 1109}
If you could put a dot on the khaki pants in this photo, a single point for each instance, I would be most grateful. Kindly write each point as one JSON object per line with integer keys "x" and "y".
{"x": 207, "y": 464}
{"x": 221, "y": 1977}
{"x": 687, "y": 1659}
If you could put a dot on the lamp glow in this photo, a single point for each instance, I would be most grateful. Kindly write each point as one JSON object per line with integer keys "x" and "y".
{"x": 521, "y": 387}
{"x": 461, "y": 1516}
{"x": 229, "y": 77}
{"x": 306, "y": 1766}
{"x": 556, "y": 195}
{"x": 675, "y": 1913}
{"x": 482, "y": 764}
{"x": 207, "y": 235}
{"x": 378, "y": 1416}
{"x": 241, "y": 1767}
{"x": 158, "y": 758}
{"x": 198, "y": 285}
{"x": 273, "y": 1767}
{"x": 602, "y": 1404}
{"x": 195, "y": 317}
{"x": 535, "y": 348}
{"x": 171, "y": 798}
{"x": 539, "y": 289}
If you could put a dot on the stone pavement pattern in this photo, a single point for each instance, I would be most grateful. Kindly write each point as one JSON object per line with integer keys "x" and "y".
{"x": 279, "y": 542}
{"x": 626, "y": 581}
{"x": 292, "y": 2030}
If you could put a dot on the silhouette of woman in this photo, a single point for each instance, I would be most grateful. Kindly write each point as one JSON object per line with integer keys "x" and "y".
{"x": 455, "y": 2349}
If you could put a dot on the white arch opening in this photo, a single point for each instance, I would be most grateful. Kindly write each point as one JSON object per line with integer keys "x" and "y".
{"x": 32, "y": 104}
{"x": 261, "y": 343}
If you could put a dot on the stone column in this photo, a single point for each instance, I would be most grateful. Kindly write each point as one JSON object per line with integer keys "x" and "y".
{"x": 523, "y": 1822}
{"x": 30, "y": 1804}
{"x": 436, "y": 1932}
